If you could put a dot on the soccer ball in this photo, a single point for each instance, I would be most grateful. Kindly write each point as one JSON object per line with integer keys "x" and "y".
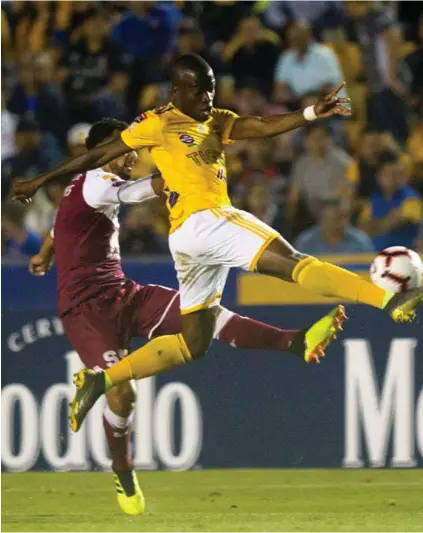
{"x": 397, "y": 269}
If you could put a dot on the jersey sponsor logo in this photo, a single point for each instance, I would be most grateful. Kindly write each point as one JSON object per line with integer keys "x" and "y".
{"x": 208, "y": 157}
{"x": 140, "y": 118}
{"x": 186, "y": 139}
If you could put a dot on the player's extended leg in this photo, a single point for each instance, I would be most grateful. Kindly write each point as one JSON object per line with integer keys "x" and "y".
{"x": 158, "y": 313}
{"x": 159, "y": 355}
{"x": 117, "y": 426}
{"x": 280, "y": 260}
{"x": 94, "y": 332}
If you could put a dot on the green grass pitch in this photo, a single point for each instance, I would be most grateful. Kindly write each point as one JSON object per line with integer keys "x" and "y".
{"x": 219, "y": 500}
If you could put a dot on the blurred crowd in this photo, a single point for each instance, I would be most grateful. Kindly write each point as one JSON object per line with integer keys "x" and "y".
{"x": 339, "y": 186}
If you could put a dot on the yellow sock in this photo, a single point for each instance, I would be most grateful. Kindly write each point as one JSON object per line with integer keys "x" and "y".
{"x": 331, "y": 280}
{"x": 159, "y": 355}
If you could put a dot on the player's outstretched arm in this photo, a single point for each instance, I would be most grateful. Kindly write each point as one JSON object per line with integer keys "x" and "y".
{"x": 39, "y": 264}
{"x": 96, "y": 157}
{"x": 256, "y": 127}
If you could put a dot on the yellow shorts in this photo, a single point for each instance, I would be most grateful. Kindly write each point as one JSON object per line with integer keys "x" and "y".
{"x": 207, "y": 245}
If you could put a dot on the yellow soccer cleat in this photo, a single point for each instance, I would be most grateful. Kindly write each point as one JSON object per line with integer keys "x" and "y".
{"x": 402, "y": 305}
{"x": 89, "y": 385}
{"x": 129, "y": 495}
{"x": 310, "y": 344}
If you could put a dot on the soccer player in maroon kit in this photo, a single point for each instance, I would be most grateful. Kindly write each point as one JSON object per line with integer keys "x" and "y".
{"x": 102, "y": 310}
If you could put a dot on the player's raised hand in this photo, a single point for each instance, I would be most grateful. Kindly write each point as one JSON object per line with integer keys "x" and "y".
{"x": 22, "y": 190}
{"x": 39, "y": 265}
{"x": 331, "y": 104}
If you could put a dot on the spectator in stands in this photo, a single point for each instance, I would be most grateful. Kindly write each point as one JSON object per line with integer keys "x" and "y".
{"x": 374, "y": 30}
{"x": 318, "y": 175}
{"x": 36, "y": 95}
{"x": 146, "y": 33}
{"x": 219, "y": 20}
{"x": 32, "y": 25}
{"x": 415, "y": 149}
{"x": 17, "y": 241}
{"x": 94, "y": 72}
{"x": 36, "y": 152}
{"x": 362, "y": 171}
{"x": 137, "y": 234}
{"x": 9, "y": 122}
{"x": 306, "y": 69}
{"x": 395, "y": 210}
{"x": 261, "y": 203}
{"x": 414, "y": 61}
{"x": 334, "y": 234}
{"x": 76, "y": 138}
{"x": 260, "y": 168}
{"x": 252, "y": 54}
{"x": 41, "y": 215}
{"x": 317, "y": 13}
{"x": 191, "y": 41}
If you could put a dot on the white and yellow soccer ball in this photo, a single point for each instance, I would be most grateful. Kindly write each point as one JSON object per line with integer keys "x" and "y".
{"x": 397, "y": 269}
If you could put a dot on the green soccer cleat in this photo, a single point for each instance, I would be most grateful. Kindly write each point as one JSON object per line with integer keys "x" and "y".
{"x": 90, "y": 386}
{"x": 129, "y": 495}
{"x": 402, "y": 306}
{"x": 311, "y": 343}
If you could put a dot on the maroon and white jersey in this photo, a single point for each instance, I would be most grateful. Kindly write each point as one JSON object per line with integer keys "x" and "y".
{"x": 86, "y": 238}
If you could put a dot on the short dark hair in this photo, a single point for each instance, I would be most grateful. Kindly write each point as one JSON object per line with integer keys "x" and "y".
{"x": 103, "y": 129}
{"x": 192, "y": 62}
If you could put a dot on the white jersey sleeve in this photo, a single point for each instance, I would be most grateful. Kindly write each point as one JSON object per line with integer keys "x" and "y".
{"x": 103, "y": 189}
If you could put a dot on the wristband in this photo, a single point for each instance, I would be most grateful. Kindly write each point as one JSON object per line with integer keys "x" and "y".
{"x": 309, "y": 114}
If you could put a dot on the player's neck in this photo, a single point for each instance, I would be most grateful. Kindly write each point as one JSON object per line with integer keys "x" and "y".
{"x": 178, "y": 109}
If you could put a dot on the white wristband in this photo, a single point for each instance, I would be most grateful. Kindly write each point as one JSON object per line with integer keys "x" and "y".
{"x": 309, "y": 113}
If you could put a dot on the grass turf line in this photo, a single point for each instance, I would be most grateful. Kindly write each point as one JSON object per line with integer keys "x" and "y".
{"x": 219, "y": 500}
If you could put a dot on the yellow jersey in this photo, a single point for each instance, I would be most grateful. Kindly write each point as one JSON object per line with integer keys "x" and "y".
{"x": 189, "y": 155}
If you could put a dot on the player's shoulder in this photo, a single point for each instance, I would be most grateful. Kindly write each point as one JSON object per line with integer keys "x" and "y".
{"x": 96, "y": 183}
{"x": 99, "y": 175}
{"x": 157, "y": 113}
{"x": 153, "y": 117}
{"x": 223, "y": 117}
{"x": 218, "y": 112}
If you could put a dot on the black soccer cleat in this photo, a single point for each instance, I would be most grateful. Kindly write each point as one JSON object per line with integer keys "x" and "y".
{"x": 402, "y": 306}
{"x": 90, "y": 386}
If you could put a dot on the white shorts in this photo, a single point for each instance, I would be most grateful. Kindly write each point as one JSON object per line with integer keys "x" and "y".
{"x": 207, "y": 245}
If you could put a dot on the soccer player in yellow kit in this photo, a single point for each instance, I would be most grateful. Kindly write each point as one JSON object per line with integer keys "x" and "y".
{"x": 208, "y": 236}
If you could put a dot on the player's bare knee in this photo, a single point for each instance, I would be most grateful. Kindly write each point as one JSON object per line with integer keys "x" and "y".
{"x": 197, "y": 330}
{"x": 121, "y": 399}
{"x": 198, "y": 344}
